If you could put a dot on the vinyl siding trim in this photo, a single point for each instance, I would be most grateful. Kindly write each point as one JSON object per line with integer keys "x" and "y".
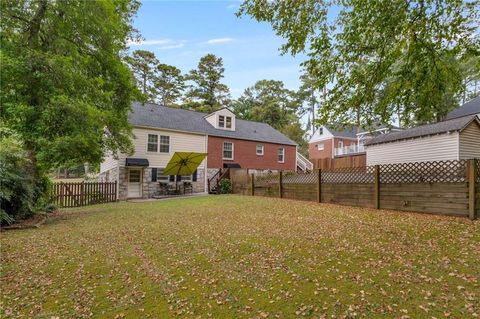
{"x": 469, "y": 144}
{"x": 429, "y": 148}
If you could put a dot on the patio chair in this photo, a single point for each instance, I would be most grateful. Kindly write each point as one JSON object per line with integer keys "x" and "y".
{"x": 187, "y": 187}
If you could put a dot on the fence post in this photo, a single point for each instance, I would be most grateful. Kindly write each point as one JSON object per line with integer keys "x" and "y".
{"x": 280, "y": 184}
{"x": 62, "y": 197}
{"x": 376, "y": 180}
{"x": 471, "y": 188}
{"x": 253, "y": 184}
{"x": 319, "y": 186}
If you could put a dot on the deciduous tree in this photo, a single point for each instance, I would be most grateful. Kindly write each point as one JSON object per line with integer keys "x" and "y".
{"x": 379, "y": 57}
{"x": 65, "y": 90}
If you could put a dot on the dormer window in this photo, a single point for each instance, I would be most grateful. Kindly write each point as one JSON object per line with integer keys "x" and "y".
{"x": 223, "y": 119}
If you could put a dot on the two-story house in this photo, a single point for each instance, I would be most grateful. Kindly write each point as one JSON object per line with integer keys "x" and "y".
{"x": 229, "y": 143}
{"x": 329, "y": 144}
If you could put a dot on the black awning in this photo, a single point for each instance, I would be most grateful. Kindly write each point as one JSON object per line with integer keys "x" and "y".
{"x": 137, "y": 162}
{"x": 231, "y": 165}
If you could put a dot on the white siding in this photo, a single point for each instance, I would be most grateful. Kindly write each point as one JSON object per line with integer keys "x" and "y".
{"x": 428, "y": 148}
{"x": 108, "y": 163}
{"x": 470, "y": 141}
{"x": 316, "y": 137}
{"x": 179, "y": 142}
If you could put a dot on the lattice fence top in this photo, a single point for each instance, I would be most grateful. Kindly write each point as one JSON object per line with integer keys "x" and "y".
{"x": 424, "y": 172}
{"x": 477, "y": 164}
{"x": 266, "y": 178}
{"x": 351, "y": 175}
{"x": 299, "y": 178}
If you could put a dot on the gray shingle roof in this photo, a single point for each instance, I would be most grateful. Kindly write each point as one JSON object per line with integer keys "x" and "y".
{"x": 469, "y": 108}
{"x": 453, "y": 125}
{"x": 153, "y": 115}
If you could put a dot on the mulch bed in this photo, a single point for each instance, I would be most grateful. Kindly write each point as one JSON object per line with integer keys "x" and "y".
{"x": 34, "y": 222}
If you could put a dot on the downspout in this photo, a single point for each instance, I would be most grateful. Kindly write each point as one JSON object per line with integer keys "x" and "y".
{"x": 205, "y": 174}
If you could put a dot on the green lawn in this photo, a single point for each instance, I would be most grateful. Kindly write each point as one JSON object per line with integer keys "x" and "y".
{"x": 231, "y": 256}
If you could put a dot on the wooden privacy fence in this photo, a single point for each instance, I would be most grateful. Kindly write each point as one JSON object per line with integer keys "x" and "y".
{"x": 82, "y": 194}
{"x": 442, "y": 187}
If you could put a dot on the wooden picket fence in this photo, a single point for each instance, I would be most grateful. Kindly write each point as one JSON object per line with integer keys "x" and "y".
{"x": 82, "y": 194}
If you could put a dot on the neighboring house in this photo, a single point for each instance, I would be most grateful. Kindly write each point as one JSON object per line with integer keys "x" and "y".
{"x": 458, "y": 137}
{"x": 330, "y": 143}
{"x": 229, "y": 143}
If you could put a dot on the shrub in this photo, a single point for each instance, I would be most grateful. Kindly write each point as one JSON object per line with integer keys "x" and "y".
{"x": 19, "y": 192}
{"x": 225, "y": 186}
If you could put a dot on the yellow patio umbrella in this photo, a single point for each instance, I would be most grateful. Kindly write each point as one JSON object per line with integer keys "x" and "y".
{"x": 184, "y": 163}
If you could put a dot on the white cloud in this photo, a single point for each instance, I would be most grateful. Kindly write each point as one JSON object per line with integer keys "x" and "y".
{"x": 171, "y": 46}
{"x": 219, "y": 41}
{"x": 161, "y": 44}
{"x": 149, "y": 42}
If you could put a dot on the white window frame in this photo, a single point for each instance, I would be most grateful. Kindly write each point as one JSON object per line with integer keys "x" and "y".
{"x": 162, "y": 178}
{"x": 222, "y": 117}
{"x": 160, "y": 144}
{"x": 321, "y": 146}
{"x": 186, "y": 178}
{"x": 262, "y": 149}
{"x": 148, "y": 143}
{"x": 227, "y": 119}
{"x": 340, "y": 144}
{"x": 320, "y": 131}
{"x": 282, "y": 154}
{"x": 223, "y": 151}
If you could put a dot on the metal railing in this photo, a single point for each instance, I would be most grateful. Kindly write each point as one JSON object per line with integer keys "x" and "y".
{"x": 350, "y": 149}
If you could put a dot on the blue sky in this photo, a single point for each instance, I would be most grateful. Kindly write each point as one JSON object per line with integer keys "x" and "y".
{"x": 181, "y": 32}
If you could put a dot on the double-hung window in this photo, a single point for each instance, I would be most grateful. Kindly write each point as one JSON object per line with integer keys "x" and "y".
{"x": 221, "y": 121}
{"x": 281, "y": 155}
{"x": 164, "y": 144}
{"x": 259, "y": 150}
{"x": 321, "y": 146}
{"x": 152, "y": 143}
{"x": 228, "y": 122}
{"x": 228, "y": 150}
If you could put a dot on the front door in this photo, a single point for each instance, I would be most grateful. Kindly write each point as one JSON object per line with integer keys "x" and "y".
{"x": 134, "y": 182}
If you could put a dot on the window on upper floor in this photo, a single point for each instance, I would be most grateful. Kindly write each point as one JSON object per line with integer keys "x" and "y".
{"x": 320, "y": 131}
{"x": 281, "y": 155}
{"x": 221, "y": 121}
{"x": 228, "y": 122}
{"x": 259, "y": 150}
{"x": 152, "y": 143}
{"x": 228, "y": 150}
{"x": 164, "y": 144}
{"x": 320, "y": 146}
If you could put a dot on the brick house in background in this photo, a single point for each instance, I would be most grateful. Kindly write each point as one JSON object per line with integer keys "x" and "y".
{"x": 329, "y": 147}
{"x": 229, "y": 143}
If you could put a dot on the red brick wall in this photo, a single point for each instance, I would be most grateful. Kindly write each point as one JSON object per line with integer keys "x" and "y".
{"x": 244, "y": 153}
{"x": 346, "y": 142}
{"x": 314, "y": 153}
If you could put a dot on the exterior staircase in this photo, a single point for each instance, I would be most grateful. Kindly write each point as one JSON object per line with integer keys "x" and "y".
{"x": 303, "y": 164}
{"x": 214, "y": 181}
